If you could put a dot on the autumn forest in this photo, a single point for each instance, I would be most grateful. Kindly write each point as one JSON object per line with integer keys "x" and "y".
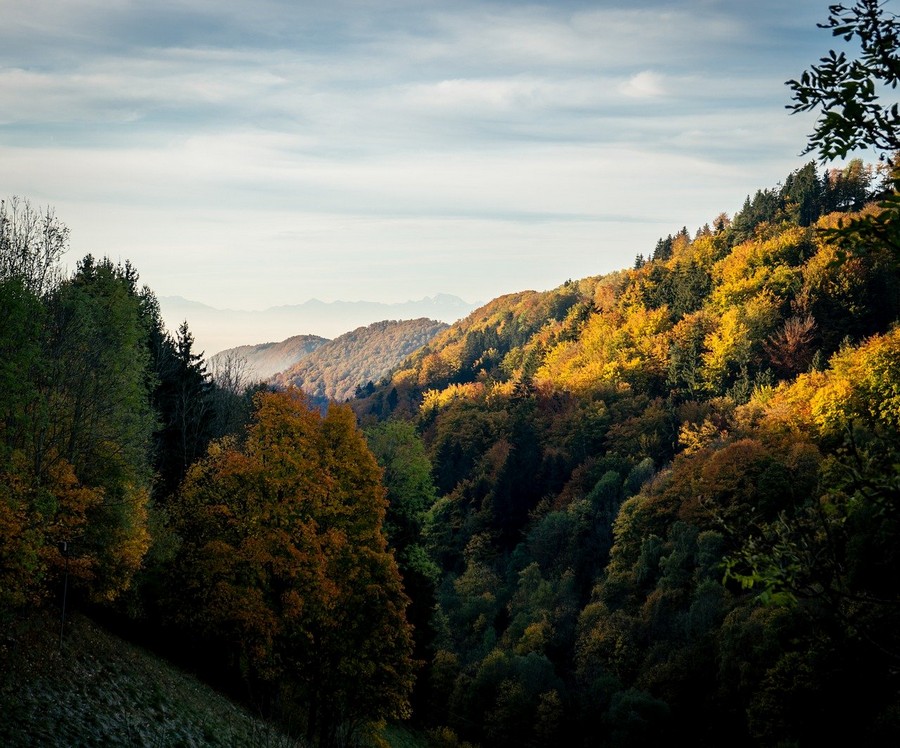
{"x": 660, "y": 504}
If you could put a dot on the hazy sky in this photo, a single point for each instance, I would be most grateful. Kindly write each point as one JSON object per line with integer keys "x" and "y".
{"x": 248, "y": 154}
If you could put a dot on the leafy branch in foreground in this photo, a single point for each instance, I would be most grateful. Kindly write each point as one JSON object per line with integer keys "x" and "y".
{"x": 849, "y": 92}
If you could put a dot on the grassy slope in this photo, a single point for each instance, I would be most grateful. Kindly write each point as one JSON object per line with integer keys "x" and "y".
{"x": 102, "y": 691}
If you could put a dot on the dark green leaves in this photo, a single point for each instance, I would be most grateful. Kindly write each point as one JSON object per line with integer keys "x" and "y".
{"x": 849, "y": 92}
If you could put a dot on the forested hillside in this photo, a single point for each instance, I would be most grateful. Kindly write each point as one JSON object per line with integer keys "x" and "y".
{"x": 657, "y": 502}
{"x": 239, "y": 531}
{"x": 256, "y": 363}
{"x": 335, "y": 370}
{"x": 658, "y": 505}
{"x": 665, "y": 499}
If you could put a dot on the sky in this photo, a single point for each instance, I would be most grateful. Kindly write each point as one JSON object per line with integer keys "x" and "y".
{"x": 251, "y": 154}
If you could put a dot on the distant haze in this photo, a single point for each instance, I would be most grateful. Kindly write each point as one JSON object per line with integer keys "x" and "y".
{"x": 215, "y": 330}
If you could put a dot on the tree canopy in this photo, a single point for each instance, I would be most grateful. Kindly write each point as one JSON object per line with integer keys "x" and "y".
{"x": 284, "y": 560}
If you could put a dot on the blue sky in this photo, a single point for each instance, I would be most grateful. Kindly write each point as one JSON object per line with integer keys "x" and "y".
{"x": 249, "y": 154}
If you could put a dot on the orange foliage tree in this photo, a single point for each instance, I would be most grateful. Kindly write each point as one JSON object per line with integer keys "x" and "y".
{"x": 36, "y": 518}
{"x": 284, "y": 558}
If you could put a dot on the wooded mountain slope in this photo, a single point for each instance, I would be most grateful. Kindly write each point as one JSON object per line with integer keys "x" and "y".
{"x": 335, "y": 369}
{"x": 666, "y": 500}
{"x": 261, "y": 361}
{"x": 657, "y": 504}
{"x": 240, "y": 529}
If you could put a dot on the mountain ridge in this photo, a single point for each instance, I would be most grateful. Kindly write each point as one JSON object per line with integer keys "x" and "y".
{"x": 263, "y": 360}
{"x": 216, "y": 330}
{"x": 335, "y": 369}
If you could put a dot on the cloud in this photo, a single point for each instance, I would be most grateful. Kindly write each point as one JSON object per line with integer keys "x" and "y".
{"x": 399, "y": 143}
{"x": 447, "y": 72}
{"x": 644, "y": 85}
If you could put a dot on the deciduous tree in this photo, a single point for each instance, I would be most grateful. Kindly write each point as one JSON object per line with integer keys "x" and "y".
{"x": 284, "y": 558}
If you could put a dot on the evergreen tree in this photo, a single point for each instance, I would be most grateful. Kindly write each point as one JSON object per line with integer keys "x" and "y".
{"x": 184, "y": 398}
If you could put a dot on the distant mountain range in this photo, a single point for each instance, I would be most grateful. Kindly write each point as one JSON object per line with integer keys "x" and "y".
{"x": 219, "y": 329}
{"x": 332, "y": 369}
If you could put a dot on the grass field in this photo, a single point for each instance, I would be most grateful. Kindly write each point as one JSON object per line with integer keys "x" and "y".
{"x": 101, "y": 691}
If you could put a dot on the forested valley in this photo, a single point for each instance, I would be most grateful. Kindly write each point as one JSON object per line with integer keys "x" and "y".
{"x": 657, "y": 502}
{"x": 660, "y": 504}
